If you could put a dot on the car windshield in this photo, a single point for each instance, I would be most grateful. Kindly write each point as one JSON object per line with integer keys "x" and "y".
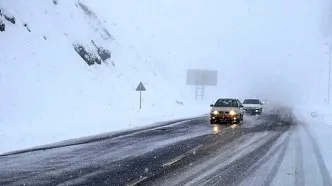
{"x": 226, "y": 103}
{"x": 251, "y": 101}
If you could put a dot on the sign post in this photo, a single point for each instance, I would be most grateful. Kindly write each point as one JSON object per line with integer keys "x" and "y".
{"x": 201, "y": 78}
{"x": 140, "y": 88}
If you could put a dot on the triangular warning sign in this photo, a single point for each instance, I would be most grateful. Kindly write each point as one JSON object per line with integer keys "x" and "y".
{"x": 140, "y": 87}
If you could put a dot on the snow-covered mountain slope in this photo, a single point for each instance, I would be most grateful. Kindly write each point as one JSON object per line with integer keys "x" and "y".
{"x": 64, "y": 74}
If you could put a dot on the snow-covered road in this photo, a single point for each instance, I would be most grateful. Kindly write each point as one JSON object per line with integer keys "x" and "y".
{"x": 273, "y": 149}
{"x": 296, "y": 159}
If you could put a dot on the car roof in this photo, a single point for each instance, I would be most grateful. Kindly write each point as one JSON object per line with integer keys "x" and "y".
{"x": 228, "y": 99}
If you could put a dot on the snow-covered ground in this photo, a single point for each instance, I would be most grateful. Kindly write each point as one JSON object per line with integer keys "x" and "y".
{"x": 318, "y": 122}
{"x": 49, "y": 93}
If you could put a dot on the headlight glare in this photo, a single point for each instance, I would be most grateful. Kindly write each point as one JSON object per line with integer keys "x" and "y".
{"x": 232, "y": 112}
{"x": 215, "y": 112}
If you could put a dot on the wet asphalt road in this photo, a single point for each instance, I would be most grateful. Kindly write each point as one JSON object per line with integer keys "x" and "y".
{"x": 190, "y": 152}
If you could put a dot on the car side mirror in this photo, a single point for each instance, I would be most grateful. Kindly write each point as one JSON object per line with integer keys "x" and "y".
{"x": 211, "y": 105}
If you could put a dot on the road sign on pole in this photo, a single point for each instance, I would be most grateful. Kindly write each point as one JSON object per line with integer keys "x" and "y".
{"x": 329, "y": 78}
{"x": 140, "y": 88}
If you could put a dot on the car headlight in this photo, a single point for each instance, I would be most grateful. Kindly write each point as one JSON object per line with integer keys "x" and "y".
{"x": 215, "y": 112}
{"x": 232, "y": 112}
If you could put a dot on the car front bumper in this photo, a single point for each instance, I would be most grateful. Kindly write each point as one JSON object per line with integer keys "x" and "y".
{"x": 224, "y": 118}
{"x": 253, "y": 110}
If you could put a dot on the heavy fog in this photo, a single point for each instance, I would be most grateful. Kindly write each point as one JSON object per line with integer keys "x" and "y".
{"x": 277, "y": 50}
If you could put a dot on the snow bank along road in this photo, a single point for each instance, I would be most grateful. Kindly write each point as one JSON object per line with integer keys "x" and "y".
{"x": 273, "y": 149}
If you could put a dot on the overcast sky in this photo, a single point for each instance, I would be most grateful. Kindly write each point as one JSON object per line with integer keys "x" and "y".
{"x": 262, "y": 48}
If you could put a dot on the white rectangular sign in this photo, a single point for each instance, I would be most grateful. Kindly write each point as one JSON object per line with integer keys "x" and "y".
{"x": 202, "y": 77}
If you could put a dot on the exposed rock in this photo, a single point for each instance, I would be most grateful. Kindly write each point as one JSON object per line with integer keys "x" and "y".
{"x": 103, "y": 53}
{"x": 2, "y": 26}
{"x": 105, "y": 34}
{"x": 179, "y": 102}
{"x": 10, "y": 19}
{"x": 86, "y": 10}
{"x": 109, "y": 36}
{"x": 26, "y": 26}
{"x": 89, "y": 58}
{"x": 55, "y": 2}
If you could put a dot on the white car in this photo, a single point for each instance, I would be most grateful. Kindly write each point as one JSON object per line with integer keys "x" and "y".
{"x": 252, "y": 106}
{"x": 226, "y": 110}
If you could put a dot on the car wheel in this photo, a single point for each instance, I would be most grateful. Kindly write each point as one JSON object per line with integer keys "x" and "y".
{"x": 235, "y": 122}
{"x": 214, "y": 122}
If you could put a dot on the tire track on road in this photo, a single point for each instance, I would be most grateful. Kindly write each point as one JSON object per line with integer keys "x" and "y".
{"x": 273, "y": 172}
{"x": 231, "y": 173}
{"x": 326, "y": 178}
{"x": 299, "y": 168}
{"x": 234, "y": 172}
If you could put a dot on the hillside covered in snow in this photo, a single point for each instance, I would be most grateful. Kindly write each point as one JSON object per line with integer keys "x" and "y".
{"x": 64, "y": 74}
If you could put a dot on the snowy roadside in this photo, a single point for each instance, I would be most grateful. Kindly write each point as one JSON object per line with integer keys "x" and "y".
{"x": 39, "y": 134}
{"x": 318, "y": 121}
